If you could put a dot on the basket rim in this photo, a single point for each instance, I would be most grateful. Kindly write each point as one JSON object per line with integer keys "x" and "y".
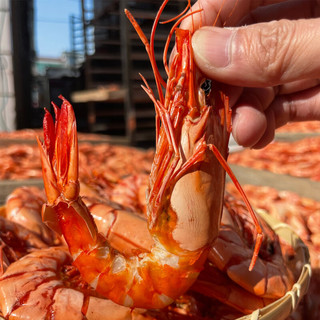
{"x": 284, "y": 306}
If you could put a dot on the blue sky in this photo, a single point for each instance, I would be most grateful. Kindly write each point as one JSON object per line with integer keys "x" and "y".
{"x": 52, "y": 29}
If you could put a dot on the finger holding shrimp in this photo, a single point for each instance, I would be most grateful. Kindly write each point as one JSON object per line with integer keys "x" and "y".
{"x": 264, "y": 54}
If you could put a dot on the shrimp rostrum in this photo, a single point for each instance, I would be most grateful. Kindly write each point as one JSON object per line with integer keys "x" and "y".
{"x": 185, "y": 192}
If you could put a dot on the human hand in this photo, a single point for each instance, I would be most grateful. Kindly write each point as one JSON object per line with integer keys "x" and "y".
{"x": 272, "y": 68}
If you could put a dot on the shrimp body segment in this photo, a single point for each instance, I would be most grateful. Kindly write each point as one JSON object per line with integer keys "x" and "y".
{"x": 185, "y": 195}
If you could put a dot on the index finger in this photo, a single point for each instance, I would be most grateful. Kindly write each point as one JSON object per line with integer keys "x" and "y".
{"x": 229, "y": 12}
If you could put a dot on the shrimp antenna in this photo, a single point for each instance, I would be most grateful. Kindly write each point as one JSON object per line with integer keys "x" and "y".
{"x": 179, "y": 15}
{"x": 231, "y": 12}
{"x": 150, "y": 49}
{"x": 219, "y": 13}
{"x": 259, "y": 238}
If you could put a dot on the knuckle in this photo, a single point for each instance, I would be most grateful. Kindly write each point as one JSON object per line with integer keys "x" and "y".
{"x": 267, "y": 49}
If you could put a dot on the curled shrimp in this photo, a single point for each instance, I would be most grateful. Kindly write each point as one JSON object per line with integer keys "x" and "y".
{"x": 272, "y": 276}
{"x": 44, "y": 285}
{"x": 185, "y": 193}
{"x": 23, "y": 206}
{"x": 225, "y": 276}
{"x": 15, "y": 242}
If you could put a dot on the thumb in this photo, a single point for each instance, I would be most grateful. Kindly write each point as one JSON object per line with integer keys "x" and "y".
{"x": 258, "y": 55}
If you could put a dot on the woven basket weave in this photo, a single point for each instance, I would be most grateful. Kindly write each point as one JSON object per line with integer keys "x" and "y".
{"x": 283, "y": 307}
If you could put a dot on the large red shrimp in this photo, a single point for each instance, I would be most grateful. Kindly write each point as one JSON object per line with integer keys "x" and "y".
{"x": 185, "y": 193}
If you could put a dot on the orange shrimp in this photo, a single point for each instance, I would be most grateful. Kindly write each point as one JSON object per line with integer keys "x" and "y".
{"x": 15, "y": 242}
{"x": 185, "y": 193}
{"x": 44, "y": 285}
{"x": 272, "y": 276}
{"x": 226, "y": 275}
{"x": 23, "y": 206}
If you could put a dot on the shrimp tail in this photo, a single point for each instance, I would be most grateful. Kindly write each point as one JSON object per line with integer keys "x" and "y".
{"x": 139, "y": 281}
{"x": 59, "y": 158}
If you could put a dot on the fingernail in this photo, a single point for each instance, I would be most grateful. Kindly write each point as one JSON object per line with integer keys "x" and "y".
{"x": 212, "y": 46}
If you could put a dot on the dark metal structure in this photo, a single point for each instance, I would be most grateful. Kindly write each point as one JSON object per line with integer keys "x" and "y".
{"x": 114, "y": 57}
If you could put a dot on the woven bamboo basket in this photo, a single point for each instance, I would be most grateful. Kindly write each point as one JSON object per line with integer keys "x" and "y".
{"x": 283, "y": 307}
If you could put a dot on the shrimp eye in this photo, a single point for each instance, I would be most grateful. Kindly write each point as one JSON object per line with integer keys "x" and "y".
{"x": 206, "y": 86}
{"x": 270, "y": 248}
